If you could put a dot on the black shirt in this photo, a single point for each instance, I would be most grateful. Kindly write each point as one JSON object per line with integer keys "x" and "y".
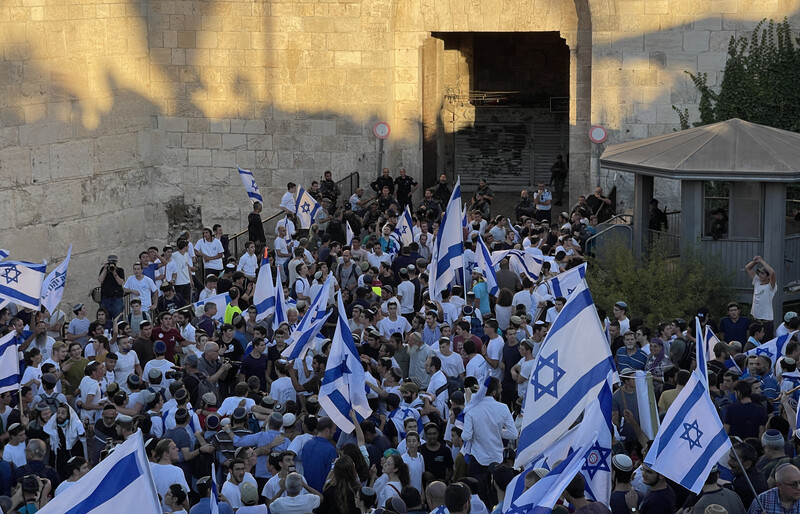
{"x": 382, "y": 181}
{"x": 255, "y": 228}
{"x": 437, "y": 462}
{"x": 110, "y": 288}
{"x": 659, "y": 502}
{"x": 404, "y": 187}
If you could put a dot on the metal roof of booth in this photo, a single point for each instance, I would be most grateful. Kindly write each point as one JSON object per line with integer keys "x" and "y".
{"x": 729, "y": 150}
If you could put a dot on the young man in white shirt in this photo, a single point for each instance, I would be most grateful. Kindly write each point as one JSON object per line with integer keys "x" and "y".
{"x": 210, "y": 250}
{"x": 183, "y": 270}
{"x": 452, "y": 363}
{"x": 494, "y": 349}
{"x": 287, "y": 201}
{"x": 393, "y": 323}
{"x": 141, "y": 287}
{"x": 248, "y": 263}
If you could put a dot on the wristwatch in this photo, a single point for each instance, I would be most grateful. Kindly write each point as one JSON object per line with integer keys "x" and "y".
{"x": 634, "y": 509}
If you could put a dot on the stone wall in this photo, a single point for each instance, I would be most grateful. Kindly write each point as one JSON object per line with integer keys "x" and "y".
{"x": 122, "y": 122}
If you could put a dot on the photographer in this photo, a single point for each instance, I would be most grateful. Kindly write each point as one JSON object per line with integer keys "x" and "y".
{"x": 111, "y": 279}
{"x": 32, "y": 494}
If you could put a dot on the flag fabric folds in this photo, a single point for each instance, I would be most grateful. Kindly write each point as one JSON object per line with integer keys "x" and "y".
{"x": 303, "y": 339}
{"x": 53, "y": 286}
{"x": 405, "y": 228}
{"x": 564, "y": 283}
{"x": 250, "y": 186}
{"x": 691, "y": 438}
{"x": 280, "y": 306}
{"x": 449, "y": 247}
{"x": 773, "y": 348}
{"x": 484, "y": 259}
{"x": 350, "y": 234}
{"x": 543, "y": 495}
{"x": 300, "y": 340}
{"x": 342, "y": 387}
{"x": 214, "y": 503}
{"x": 523, "y": 263}
{"x": 264, "y": 296}
{"x": 121, "y": 483}
{"x": 569, "y": 370}
{"x": 221, "y": 300}
{"x": 3, "y": 254}
{"x": 21, "y": 283}
{"x": 512, "y": 228}
{"x": 9, "y": 363}
{"x": 306, "y": 208}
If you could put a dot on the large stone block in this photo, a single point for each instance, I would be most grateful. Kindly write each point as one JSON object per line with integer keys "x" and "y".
{"x": 118, "y": 152}
{"x": 72, "y": 159}
{"x": 61, "y": 201}
{"x": 15, "y": 164}
{"x": 696, "y": 41}
{"x": 199, "y": 157}
{"x": 44, "y": 133}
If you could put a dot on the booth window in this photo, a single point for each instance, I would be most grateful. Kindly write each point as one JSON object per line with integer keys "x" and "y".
{"x": 792, "y": 209}
{"x": 732, "y": 209}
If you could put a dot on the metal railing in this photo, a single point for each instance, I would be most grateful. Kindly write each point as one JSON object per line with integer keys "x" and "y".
{"x": 236, "y": 242}
{"x": 621, "y": 232}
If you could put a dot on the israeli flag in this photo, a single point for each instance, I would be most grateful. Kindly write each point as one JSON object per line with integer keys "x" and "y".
{"x": 280, "y": 307}
{"x": 9, "y": 363}
{"x": 405, "y": 228}
{"x": 250, "y": 185}
{"x": 701, "y": 352}
{"x": 543, "y": 495}
{"x": 449, "y": 249}
{"x": 303, "y": 339}
{"x": 306, "y": 208}
{"x": 691, "y": 438}
{"x": 53, "y": 286}
{"x": 350, "y": 234}
{"x": 121, "y": 483}
{"x": 264, "y": 293}
{"x": 774, "y": 348}
{"x": 570, "y": 369}
{"x": 3, "y": 254}
{"x": 21, "y": 283}
{"x": 711, "y": 340}
{"x": 214, "y": 503}
{"x": 222, "y": 300}
{"x": 564, "y": 283}
{"x": 522, "y": 262}
{"x": 485, "y": 265}
{"x": 342, "y": 388}
{"x": 297, "y": 343}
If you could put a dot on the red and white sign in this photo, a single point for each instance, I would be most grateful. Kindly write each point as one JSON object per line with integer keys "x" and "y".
{"x": 598, "y": 134}
{"x": 381, "y": 130}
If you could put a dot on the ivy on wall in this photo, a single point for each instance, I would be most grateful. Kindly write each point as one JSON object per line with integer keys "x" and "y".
{"x": 760, "y": 81}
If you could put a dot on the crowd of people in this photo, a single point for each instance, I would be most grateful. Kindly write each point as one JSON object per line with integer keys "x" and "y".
{"x": 210, "y": 387}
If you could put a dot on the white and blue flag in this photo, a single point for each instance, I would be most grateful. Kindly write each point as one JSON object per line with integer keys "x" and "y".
{"x": 21, "y": 283}
{"x": 221, "y": 301}
{"x": 306, "y": 208}
{"x": 405, "y": 228}
{"x": 564, "y": 283}
{"x": 121, "y": 483}
{"x": 350, "y": 234}
{"x": 517, "y": 237}
{"x": 280, "y": 307}
{"x": 522, "y": 262}
{"x": 53, "y": 286}
{"x": 214, "y": 503}
{"x": 300, "y": 340}
{"x": 774, "y": 348}
{"x": 3, "y": 254}
{"x": 342, "y": 387}
{"x": 691, "y": 438}
{"x": 543, "y": 495}
{"x": 250, "y": 185}
{"x": 264, "y": 295}
{"x": 449, "y": 248}
{"x": 9, "y": 363}
{"x": 570, "y": 369}
{"x": 484, "y": 264}
{"x": 303, "y": 339}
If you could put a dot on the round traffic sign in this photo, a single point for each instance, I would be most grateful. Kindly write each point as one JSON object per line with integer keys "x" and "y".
{"x": 381, "y": 130}
{"x": 598, "y": 134}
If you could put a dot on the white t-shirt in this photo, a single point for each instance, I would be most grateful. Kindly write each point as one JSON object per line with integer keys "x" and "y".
{"x": 182, "y": 263}
{"x": 415, "y": 468}
{"x": 294, "y": 504}
{"x": 494, "y": 350}
{"x": 145, "y": 287}
{"x": 126, "y": 366}
{"x": 208, "y": 249}
{"x": 164, "y": 475}
{"x": 525, "y": 369}
{"x": 282, "y": 390}
{"x": 450, "y": 312}
{"x": 89, "y": 386}
{"x": 47, "y": 350}
{"x": 762, "y": 300}
{"x": 406, "y": 290}
{"x": 248, "y": 264}
{"x": 296, "y": 446}
{"x": 287, "y": 201}
{"x": 233, "y": 494}
{"x": 476, "y": 367}
{"x": 273, "y": 485}
{"x": 452, "y": 365}
{"x": 15, "y": 454}
{"x": 230, "y": 403}
{"x": 160, "y": 364}
{"x": 32, "y": 373}
{"x": 388, "y": 327}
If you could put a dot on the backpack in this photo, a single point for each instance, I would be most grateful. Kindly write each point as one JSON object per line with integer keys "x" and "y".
{"x": 293, "y": 290}
{"x": 51, "y": 401}
{"x": 203, "y": 386}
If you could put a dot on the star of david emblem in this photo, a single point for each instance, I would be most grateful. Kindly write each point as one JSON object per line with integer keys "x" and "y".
{"x": 11, "y": 274}
{"x": 569, "y": 291}
{"x": 471, "y": 266}
{"x": 58, "y": 281}
{"x": 597, "y": 460}
{"x": 253, "y": 185}
{"x": 540, "y": 388}
{"x": 687, "y": 436}
{"x": 403, "y": 229}
{"x": 306, "y": 207}
{"x": 764, "y": 351}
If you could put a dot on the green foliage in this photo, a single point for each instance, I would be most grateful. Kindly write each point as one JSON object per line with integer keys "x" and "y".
{"x": 659, "y": 288}
{"x": 759, "y": 82}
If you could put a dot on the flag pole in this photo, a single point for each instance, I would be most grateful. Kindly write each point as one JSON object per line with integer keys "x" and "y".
{"x": 749, "y": 483}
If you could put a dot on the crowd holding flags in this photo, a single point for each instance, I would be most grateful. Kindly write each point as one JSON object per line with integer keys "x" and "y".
{"x": 306, "y": 208}
{"x": 250, "y": 185}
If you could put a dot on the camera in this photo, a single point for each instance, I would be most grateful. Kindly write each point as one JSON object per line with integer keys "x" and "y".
{"x": 112, "y": 265}
{"x": 175, "y": 374}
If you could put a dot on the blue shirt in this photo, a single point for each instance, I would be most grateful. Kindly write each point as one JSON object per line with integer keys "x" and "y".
{"x": 262, "y": 439}
{"x": 204, "y": 506}
{"x": 482, "y": 294}
{"x": 318, "y": 456}
{"x": 635, "y": 361}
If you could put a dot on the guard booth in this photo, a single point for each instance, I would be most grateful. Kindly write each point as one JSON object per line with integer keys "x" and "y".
{"x": 740, "y": 195}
